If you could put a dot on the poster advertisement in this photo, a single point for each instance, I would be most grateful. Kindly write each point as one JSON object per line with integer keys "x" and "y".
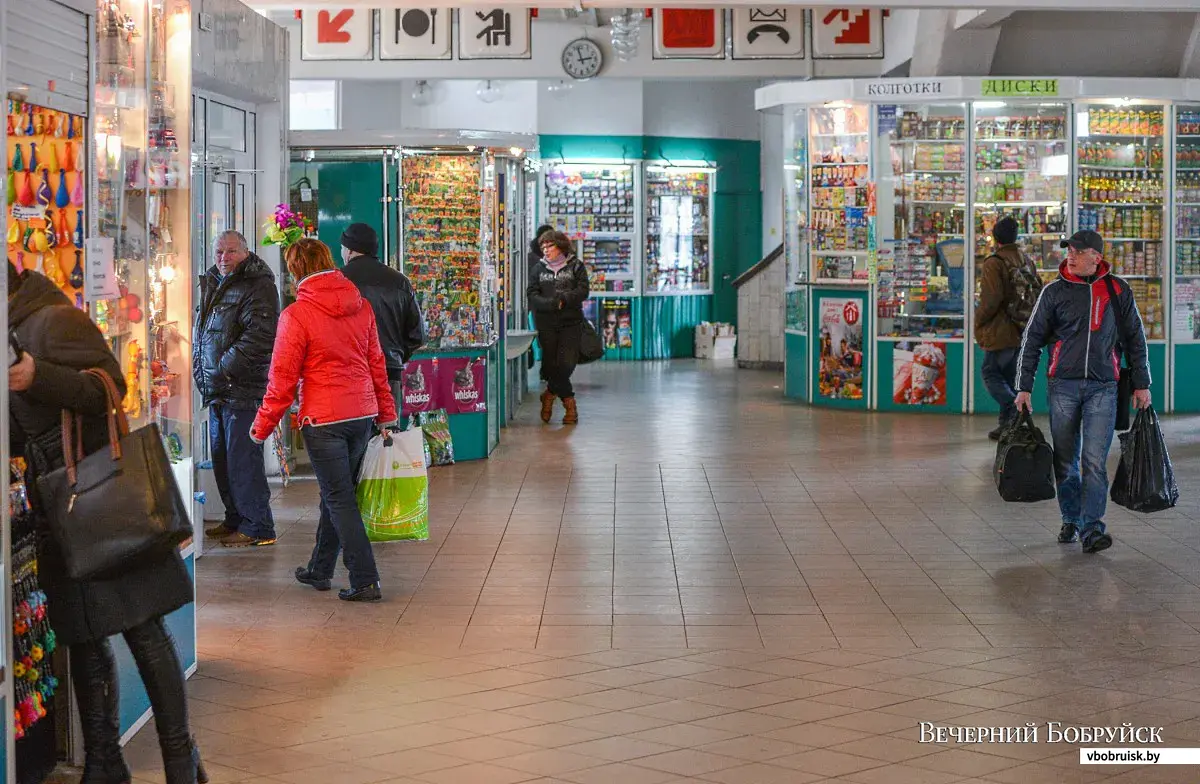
{"x": 841, "y": 372}
{"x": 616, "y": 323}
{"x": 591, "y": 312}
{"x": 919, "y": 374}
{"x": 420, "y": 387}
{"x": 463, "y": 384}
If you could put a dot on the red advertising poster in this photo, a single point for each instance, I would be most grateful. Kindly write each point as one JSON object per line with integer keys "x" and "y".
{"x": 919, "y": 374}
{"x": 463, "y": 384}
{"x": 420, "y": 387}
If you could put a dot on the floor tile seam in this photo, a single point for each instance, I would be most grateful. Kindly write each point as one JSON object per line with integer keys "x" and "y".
{"x": 741, "y": 582}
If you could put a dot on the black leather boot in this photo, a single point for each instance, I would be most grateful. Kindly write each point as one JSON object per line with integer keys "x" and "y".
{"x": 161, "y": 672}
{"x": 94, "y": 676}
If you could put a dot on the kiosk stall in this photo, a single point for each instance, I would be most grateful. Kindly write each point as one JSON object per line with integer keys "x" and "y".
{"x": 892, "y": 188}
{"x": 449, "y": 212}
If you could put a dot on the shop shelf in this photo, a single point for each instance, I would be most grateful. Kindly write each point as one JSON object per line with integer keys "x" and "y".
{"x": 930, "y": 141}
{"x": 1133, "y": 239}
{"x": 1023, "y": 204}
{"x": 840, "y": 253}
{"x": 843, "y": 163}
{"x": 1119, "y": 204}
{"x": 840, "y": 282}
{"x": 839, "y": 135}
{"x": 1121, "y": 168}
{"x": 958, "y": 205}
{"x": 1150, "y": 136}
{"x": 1014, "y": 171}
{"x": 1014, "y": 139}
{"x": 934, "y": 171}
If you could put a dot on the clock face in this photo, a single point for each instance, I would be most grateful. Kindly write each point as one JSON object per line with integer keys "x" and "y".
{"x": 582, "y": 59}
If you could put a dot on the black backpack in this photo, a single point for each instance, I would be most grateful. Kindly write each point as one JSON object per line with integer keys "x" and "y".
{"x": 1024, "y": 468}
{"x": 1026, "y": 286}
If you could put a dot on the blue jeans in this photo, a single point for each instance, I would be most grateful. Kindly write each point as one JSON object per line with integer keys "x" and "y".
{"x": 337, "y": 453}
{"x": 999, "y": 373}
{"x": 1082, "y": 416}
{"x": 238, "y": 468}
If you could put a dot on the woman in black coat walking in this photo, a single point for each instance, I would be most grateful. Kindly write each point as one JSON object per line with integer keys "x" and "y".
{"x": 558, "y": 286}
{"x": 59, "y": 342}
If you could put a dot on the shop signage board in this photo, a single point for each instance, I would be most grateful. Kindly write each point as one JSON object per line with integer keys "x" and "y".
{"x": 847, "y": 32}
{"x": 1020, "y": 88}
{"x": 908, "y": 89}
{"x": 337, "y": 34}
{"x": 415, "y": 33}
{"x": 494, "y": 34}
{"x": 689, "y": 33}
{"x": 768, "y": 33}
{"x": 101, "y": 281}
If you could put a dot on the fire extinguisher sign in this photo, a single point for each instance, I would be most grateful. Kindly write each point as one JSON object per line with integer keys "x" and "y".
{"x": 840, "y": 33}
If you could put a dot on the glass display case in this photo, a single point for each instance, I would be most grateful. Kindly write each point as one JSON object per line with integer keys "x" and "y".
{"x": 1022, "y": 165}
{"x": 1186, "y": 295}
{"x": 596, "y": 206}
{"x": 139, "y": 281}
{"x": 839, "y": 164}
{"x": 795, "y": 220}
{"x": 678, "y": 229}
{"x": 1121, "y": 193}
{"x": 444, "y": 234}
{"x": 921, "y": 203}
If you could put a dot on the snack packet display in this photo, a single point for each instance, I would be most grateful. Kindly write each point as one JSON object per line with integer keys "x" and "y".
{"x": 436, "y": 427}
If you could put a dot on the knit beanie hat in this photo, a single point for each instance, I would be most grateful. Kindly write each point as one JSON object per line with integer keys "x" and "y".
{"x": 361, "y": 238}
{"x": 1005, "y": 230}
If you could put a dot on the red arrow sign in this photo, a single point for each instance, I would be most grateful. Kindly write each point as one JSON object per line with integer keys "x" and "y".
{"x": 329, "y": 27}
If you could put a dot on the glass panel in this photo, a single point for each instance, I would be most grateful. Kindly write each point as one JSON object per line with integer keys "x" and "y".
{"x": 1186, "y": 328}
{"x": 442, "y": 248}
{"x": 795, "y": 218}
{"x": 839, "y": 139}
{"x": 168, "y": 210}
{"x": 1021, "y": 169}
{"x": 226, "y": 127}
{"x": 1121, "y": 194}
{"x": 594, "y": 205}
{"x": 921, "y": 202}
{"x": 678, "y": 223}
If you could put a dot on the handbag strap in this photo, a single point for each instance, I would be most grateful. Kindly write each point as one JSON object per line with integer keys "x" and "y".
{"x": 1112, "y": 298}
{"x": 72, "y": 426}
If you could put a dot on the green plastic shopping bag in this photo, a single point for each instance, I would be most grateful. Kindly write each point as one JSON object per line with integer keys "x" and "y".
{"x": 393, "y": 487}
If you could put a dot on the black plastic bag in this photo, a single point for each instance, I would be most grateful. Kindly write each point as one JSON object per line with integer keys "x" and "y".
{"x": 1145, "y": 480}
{"x": 1024, "y": 468}
{"x": 591, "y": 347}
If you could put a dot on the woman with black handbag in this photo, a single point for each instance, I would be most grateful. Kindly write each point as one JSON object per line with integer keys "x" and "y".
{"x": 558, "y": 286}
{"x": 53, "y": 345}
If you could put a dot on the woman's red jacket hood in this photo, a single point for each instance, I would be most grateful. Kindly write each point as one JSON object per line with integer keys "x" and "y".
{"x": 327, "y": 350}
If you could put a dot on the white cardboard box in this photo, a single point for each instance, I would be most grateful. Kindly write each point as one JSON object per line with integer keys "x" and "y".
{"x": 715, "y": 341}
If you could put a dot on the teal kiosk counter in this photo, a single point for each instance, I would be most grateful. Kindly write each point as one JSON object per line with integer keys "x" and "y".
{"x": 449, "y": 210}
{"x": 892, "y": 187}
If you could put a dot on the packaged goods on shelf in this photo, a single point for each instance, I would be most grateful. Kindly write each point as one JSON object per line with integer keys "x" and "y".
{"x": 1021, "y": 127}
{"x": 1125, "y": 122}
{"x": 1115, "y": 155}
{"x": 1188, "y": 122}
{"x": 912, "y": 125}
{"x": 442, "y": 242}
{"x": 939, "y": 157}
{"x": 1118, "y": 221}
{"x": 1122, "y": 188}
{"x": 1187, "y": 187}
{"x": 677, "y": 229}
{"x": 582, "y": 200}
{"x": 946, "y": 190}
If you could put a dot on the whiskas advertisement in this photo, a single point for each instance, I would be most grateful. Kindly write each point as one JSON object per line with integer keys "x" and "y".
{"x": 463, "y": 383}
{"x": 420, "y": 386}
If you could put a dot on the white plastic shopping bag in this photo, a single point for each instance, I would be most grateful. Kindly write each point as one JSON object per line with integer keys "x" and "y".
{"x": 393, "y": 487}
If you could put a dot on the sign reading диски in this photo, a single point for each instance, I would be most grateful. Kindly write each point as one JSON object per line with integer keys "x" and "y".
{"x": 1008, "y": 88}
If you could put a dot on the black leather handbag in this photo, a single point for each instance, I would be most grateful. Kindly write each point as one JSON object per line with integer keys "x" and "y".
{"x": 116, "y": 508}
{"x": 591, "y": 347}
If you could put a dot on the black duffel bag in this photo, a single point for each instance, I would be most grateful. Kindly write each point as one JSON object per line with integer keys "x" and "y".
{"x": 591, "y": 347}
{"x": 1024, "y": 468}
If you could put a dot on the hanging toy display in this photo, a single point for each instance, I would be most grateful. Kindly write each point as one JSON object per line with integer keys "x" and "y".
{"x": 45, "y": 217}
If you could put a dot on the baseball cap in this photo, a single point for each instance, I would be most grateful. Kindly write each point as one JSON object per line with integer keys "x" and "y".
{"x": 1082, "y": 240}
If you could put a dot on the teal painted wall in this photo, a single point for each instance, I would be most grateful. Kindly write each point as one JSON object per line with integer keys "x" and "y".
{"x": 795, "y": 366}
{"x": 347, "y": 192}
{"x": 1187, "y": 379}
{"x": 667, "y": 329}
{"x": 955, "y": 372}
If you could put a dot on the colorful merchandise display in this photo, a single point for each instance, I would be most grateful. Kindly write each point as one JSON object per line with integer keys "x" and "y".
{"x": 678, "y": 223}
{"x": 1121, "y": 193}
{"x": 1186, "y": 291}
{"x": 595, "y": 205}
{"x": 46, "y": 190}
{"x": 838, "y": 187}
{"x": 443, "y": 225}
{"x": 796, "y": 221}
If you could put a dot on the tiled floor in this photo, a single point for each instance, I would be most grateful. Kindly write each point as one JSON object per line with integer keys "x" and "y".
{"x": 702, "y": 583}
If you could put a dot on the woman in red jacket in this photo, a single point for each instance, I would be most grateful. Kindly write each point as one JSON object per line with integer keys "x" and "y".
{"x": 327, "y": 349}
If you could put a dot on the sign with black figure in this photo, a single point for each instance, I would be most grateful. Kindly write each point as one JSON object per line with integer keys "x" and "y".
{"x": 493, "y": 34}
{"x": 414, "y": 34}
{"x": 768, "y": 33}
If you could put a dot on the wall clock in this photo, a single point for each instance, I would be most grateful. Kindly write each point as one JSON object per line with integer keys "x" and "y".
{"x": 582, "y": 58}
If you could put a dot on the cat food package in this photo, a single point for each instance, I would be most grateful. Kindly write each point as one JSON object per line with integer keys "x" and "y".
{"x": 463, "y": 384}
{"x": 436, "y": 427}
{"x": 420, "y": 386}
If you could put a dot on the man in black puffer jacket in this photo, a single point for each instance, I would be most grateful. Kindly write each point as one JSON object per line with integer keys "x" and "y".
{"x": 231, "y": 354}
{"x": 397, "y": 314}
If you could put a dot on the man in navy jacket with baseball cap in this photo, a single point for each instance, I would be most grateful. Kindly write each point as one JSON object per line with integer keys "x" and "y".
{"x": 1086, "y": 316}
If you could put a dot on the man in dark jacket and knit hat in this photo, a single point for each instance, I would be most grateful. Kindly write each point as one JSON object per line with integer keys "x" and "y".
{"x": 231, "y": 354}
{"x": 397, "y": 314}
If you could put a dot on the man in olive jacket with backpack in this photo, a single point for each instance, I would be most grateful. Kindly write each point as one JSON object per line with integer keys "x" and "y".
{"x": 1008, "y": 290}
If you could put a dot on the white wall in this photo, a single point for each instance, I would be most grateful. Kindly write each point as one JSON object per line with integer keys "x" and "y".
{"x": 1093, "y": 44}
{"x": 702, "y": 110}
{"x": 596, "y": 107}
{"x": 771, "y": 166}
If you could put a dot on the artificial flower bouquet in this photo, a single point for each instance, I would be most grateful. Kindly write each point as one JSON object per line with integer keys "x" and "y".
{"x": 286, "y": 227}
